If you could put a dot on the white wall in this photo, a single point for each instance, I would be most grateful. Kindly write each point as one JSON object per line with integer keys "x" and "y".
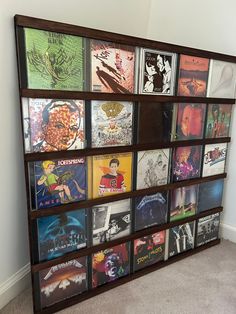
{"x": 208, "y": 25}
{"x": 121, "y": 16}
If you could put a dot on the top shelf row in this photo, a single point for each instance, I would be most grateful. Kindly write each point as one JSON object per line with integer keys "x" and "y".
{"x": 57, "y": 61}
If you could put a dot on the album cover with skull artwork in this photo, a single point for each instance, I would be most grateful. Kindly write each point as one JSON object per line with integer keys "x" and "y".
{"x": 110, "y": 264}
{"x": 55, "y": 182}
{"x": 62, "y": 233}
{"x": 152, "y": 168}
{"x": 63, "y": 281}
{"x": 112, "y": 123}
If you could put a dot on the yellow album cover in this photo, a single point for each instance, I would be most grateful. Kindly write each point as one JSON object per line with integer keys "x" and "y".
{"x": 111, "y": 174}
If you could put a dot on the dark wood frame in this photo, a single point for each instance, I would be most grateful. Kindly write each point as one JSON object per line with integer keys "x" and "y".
{"x": 24, "y": 21}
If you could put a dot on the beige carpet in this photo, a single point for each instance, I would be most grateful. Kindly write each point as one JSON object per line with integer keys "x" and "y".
{"x": 203, "y": 283}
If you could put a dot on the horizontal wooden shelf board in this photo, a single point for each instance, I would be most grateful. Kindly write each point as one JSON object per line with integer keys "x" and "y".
{"x": 34, "y": 214}
{"x": 32, "y": 22}
{"x": 138, "y": 234}
{"x": 91, "y": 293}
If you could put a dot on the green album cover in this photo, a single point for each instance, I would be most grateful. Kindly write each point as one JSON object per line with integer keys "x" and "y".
{"x": 54, "y": 60}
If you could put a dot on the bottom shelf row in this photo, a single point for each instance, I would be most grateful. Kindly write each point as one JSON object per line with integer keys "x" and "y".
{"x": 74, "y": 277}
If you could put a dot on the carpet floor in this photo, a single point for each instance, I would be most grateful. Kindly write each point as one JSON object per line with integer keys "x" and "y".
{"x": 202, "y": 283}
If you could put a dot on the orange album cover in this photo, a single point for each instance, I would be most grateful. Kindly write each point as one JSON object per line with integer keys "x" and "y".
{"x": 193, "y": 76}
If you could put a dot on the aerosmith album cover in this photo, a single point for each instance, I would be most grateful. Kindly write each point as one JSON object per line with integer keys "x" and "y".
{"x": 110, "y": 264}
{"x": 63, "y": 281}
{"x": 193, "y": 75}
{"x": 214, "y": 159}
{"x": 149, "y": 250}
{"x": 111, "y": 123}
{"x": 53, "y": 124}
{"x": 112, "y": 67}
{"x": 208, "y": 229}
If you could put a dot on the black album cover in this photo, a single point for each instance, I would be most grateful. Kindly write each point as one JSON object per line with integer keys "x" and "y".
{"x": 154, "y": 122}
{"x": 208, "y": 229}
{"x": 149, "y": 250}
{"x": 210, "y": 195}
{"x": 181, "y": 238}
{"x": 151, "y": 210}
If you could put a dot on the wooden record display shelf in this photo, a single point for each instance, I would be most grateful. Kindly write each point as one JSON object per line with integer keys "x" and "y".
{"x": 24, "y": 21}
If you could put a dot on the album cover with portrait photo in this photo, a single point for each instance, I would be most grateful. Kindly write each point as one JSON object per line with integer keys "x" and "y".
{"x": 186, "y": 162}
{"x": 111, "y": 123}
{"x": 193, "y": 76}
{"x": 214, "y": 159}
{"x": 151, "y": 210}
{"x": 149, "y": 250}
{"x": 54, "y": 60}
{"x": 112, "y": 67}
{"x": 218, "y": 120}
{"x": 111, "y": 221}
{"x": 56, "y": 182}
{"x": 53, "y": 124}
{"x": 157, "y": 72}
{"x": 110, "y": 264}
{"x": 63, "y": 281}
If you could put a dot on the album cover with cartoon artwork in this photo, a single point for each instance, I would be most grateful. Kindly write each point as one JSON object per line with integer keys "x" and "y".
{"x": 214, "y": 159}
{"x": 152, "y": 168}
{"x": 111, "y": 123}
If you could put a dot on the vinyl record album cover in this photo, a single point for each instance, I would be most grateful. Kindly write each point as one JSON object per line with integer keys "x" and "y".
{"x": 222, "y": 79}
{"x": 152, "y": 168}
{"x": 111, "y": 174}
{"x": 157, "y": 72}
{"x": 110, "y": 264}
{"x": 186, "y": 162}
{"x": 193, "y": 75}
{"x": 59, "y": 181}
{"x": 149, "y": 250}
{"x": 210, "y": 195}
{"x": 214, "y": 159}
{"x": 218, "y": 120}
{"x": 151, "y": 210}
{"x": 208, "y": 229}
{"x": 54, "y": 60}
{"x": 53, "y": 124}
{"x": 63, "y": 281}
{"x": 62, "y": 233}
{"x": 155, "y": 122}
{"x": 183, "y": 202}
{"x": 111, "y": 123}
{"x": 181, "y": 238}
{"x": 190, "y": 121}
{"x": 112, "y": 67}
{"x": 111, "y": 221}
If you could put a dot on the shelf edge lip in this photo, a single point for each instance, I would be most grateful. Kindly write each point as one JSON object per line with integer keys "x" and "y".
{"x": 144, "y": 232}
{"x": 70, "y": 29}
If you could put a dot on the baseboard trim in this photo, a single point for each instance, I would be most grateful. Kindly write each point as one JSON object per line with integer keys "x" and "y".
{"x": 228, "y": 232}
{"x": 14, "y": 285}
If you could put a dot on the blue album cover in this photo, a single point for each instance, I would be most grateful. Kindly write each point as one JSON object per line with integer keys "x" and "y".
{"x": 60, "y": 234}
{"x": 151, "y": 210}
{"x": 210, "y": 195}
{"x": 59, "y": 182}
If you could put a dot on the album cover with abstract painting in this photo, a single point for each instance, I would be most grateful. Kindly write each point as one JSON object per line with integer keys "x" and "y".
{"x": 151, "y": 210}
{"x": 112, "y": 67}
{"x": 193, "y": 76}
{"x": 111, "y": 221}
{"x": 149, "y": 250}
{"x": 152, "y": 168}
{"x": 218, "y": 120}
{"x": 183, "y": 202}
{"x": 62, "y": 233}
{"x": 54, "y": 60}
{"x": 208, "y": 229}
{"x": 53, "y": 124}
{"x": 186, "y": 162}
{"x": 63, "y": 281}
{"x": 214, "y": 159}
{"x": 110, "y": 264}
{"x": 111, "y": 123}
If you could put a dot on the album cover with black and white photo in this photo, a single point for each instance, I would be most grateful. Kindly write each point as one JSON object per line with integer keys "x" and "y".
{"x": 208, "y": 229}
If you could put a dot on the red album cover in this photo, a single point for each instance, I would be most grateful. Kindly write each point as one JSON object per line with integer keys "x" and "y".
{"x": 193, "y": 75}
